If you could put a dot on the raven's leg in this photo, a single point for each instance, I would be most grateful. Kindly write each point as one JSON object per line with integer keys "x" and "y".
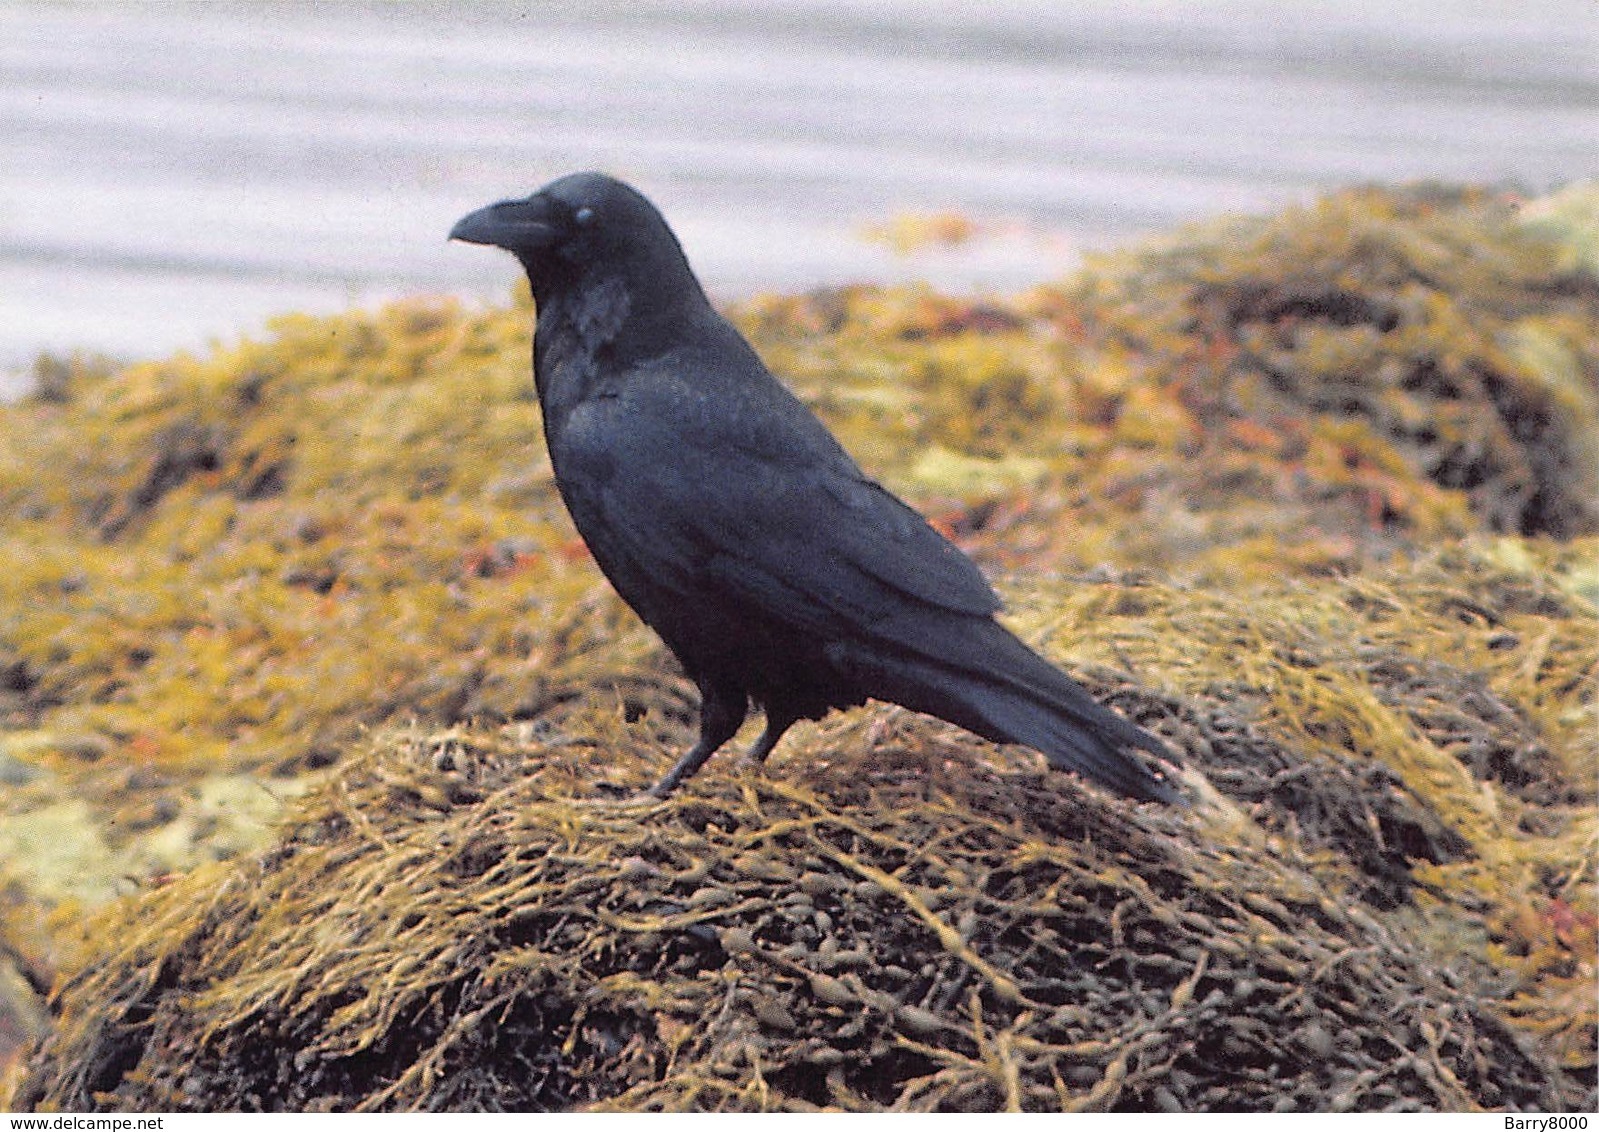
{"x": 721, "y": 712}
{"x": 777, "y": 722}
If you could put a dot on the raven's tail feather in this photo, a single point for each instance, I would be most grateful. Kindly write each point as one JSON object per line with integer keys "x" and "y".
{"x": 1018, "y": 697}
{"x": 1095, "y": 746}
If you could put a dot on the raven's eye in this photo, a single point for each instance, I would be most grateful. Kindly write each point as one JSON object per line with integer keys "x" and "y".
{"x": 584, "y": 216}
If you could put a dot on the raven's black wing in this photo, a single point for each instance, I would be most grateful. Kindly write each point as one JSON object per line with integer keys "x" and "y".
{"x": 734, "y": 485}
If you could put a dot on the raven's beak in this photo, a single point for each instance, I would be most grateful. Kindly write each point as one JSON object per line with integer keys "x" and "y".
{"x": 520, "y": 225}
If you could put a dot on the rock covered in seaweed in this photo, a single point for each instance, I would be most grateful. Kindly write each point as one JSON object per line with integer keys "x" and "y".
{"x": 893, "y": 917}
{"x": 225, "y": 567}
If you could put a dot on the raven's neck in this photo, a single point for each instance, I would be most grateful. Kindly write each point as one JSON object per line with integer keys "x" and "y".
{"x": 594, "y": 330}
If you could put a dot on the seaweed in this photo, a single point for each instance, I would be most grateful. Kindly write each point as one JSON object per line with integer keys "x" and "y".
{"x": 1361, "y": 912}
{"x": 1311, "y": 494}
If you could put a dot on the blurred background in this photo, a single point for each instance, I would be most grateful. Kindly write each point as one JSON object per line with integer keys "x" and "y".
{"x": 172, "y": 174}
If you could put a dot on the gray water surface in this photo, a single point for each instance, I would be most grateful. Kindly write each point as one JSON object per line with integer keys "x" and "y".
{"x": 172, "y": 174}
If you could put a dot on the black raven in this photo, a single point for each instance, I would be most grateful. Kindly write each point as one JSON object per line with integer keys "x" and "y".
{"x": 734, "y": 524}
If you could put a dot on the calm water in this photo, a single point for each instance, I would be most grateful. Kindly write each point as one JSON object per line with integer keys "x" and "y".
{"x": 172, "y": 174}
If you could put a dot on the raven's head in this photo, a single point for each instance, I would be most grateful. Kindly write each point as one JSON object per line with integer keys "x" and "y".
{"x": 580, "y": 229}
